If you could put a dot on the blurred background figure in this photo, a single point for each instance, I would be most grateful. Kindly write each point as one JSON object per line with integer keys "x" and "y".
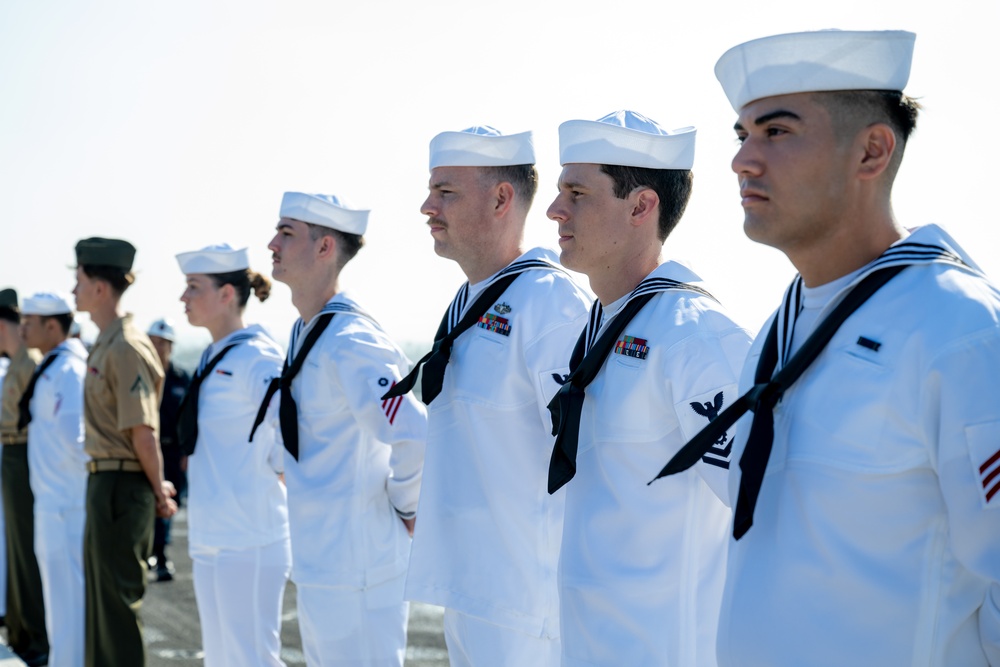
{"x": 162, "y": 334}
{"x": 25, "y": 617}
{"x": 51, "y": 407}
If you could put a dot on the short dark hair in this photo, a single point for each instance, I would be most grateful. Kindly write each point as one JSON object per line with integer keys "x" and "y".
{"x": 348, "y": 244}
{"x": 522, "y": 177}
{"x": 9, "y": 314}
{"x": 244, "y": 281}
{"x": 118, "y": 278}
{"x": 853, "y": 109}
{"x": 672, "y": 186}
{"x": 64, "y": 320}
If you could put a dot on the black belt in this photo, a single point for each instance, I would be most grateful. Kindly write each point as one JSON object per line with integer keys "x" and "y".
{"x": 114, "y": 465}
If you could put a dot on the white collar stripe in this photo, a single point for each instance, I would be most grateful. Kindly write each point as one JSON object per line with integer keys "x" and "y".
{"x": 459, "y": 303}
{"x": 331, "y": 307}
{"x": 235, "y": 340}
{"x": 905, "y": 253}
{"x": 647, "y": 286}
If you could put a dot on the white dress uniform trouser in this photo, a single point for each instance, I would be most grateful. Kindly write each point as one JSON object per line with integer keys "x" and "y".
{"x": 345, "y": 627}
{"x": 239, "y": 594}
{"x": 473, "y": 642}
{"x": 59, "y": 551}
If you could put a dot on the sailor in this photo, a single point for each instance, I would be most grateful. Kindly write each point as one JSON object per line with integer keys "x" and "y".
{"x": 353, "y": 460}
{"x": 175, "y": 384}
{"x": 488, "y": 541}
{"x": 52, "y": 409}
{"x": 642, "y": 567}
{"x": 238, "y": 510}
{"x": 126, "y": 488}
{"x": 25, "y": 617}
{"x": 867, "y": 497}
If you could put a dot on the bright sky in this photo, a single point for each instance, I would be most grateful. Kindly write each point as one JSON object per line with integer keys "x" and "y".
{"x": 180, "y": 124}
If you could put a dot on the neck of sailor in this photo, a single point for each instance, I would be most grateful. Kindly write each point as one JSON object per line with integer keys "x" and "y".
{"x": 615, "y": 280}
{"x": 229, "y": 321}
{"x": 321, "y": 285}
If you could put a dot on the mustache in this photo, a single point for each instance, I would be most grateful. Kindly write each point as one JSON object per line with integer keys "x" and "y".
{"x": 438, "y": 222}
{"x": 748, "y": 184}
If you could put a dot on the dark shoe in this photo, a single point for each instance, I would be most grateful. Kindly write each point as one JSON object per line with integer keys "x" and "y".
{"x": 35, "y": 659}
{"x": 164, "y": 570}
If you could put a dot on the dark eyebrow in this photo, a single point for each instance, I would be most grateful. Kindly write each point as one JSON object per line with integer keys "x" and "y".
{"x": 283, "y": 225}
{"x": 768, "y": 117}
{"x": 569, "y": 185}
{"x": 440, "y": 184}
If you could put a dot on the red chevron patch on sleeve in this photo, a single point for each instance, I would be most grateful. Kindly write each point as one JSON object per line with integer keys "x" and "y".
{"x": 990, "y": 474}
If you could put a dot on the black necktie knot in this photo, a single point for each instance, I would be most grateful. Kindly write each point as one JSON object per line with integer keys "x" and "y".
{"x": 765, "y": 396}
{"x": 288, "y": 413}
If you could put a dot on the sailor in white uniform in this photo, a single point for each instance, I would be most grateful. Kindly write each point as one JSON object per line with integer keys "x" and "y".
{"x": 237, "y": 507}
{"x": 867, "y": 525}
{"x": 487, "y": 545}
{"x": 642, "y": 566}
{"x": 52, "y": 407}
{"x": 353, "y": 461}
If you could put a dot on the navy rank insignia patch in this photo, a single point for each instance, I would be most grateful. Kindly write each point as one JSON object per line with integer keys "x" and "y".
{"x": 630, "y": 346}
{"x": 718, "y": 453}
{"x": 502, "y": 308}
{"x": 219, "y": 371}
{"x": 494, "y": 323}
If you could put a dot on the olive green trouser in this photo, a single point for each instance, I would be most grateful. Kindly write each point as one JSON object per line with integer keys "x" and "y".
{"x": 117, "y": 541}
{"x": 25, "y": 609}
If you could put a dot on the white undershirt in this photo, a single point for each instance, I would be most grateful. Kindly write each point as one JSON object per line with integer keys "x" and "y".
{"x": 814, "y": 301}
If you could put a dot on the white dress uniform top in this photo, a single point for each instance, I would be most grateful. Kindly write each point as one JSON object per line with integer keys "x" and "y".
{"x": 876, "y": 536}
{"x": 58, "y": 476}
{"x": 359, "y": 469}
{"x": 487, "y": 542}
{"x": 237, "y": 507}
{"x": 642, "y": 567}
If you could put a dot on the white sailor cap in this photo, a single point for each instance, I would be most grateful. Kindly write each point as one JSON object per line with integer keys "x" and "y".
{"x": 628, "y": 139}
{"x": 46, "y": 303}
{"x": 221, "y": 258}
{"x": 481, "y": 146}
{"x": 163, "y": 328}
{"x": 809, "y": 62}
{"x": 324, "y": 210}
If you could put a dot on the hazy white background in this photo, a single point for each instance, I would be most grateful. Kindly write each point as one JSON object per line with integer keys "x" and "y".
{"x": 179, "y": 124}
